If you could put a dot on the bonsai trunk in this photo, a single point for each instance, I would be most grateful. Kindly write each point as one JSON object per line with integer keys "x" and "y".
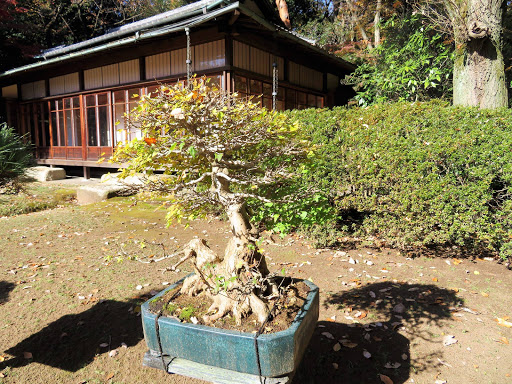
{"x": 235, "y": 281}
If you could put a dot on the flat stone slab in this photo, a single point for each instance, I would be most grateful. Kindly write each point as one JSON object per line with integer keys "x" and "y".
{"x": 208, "y": 373}
{"x": 46, "y": 173}
{"x": 96, "y": 193}
{"x": 113, "y": 179}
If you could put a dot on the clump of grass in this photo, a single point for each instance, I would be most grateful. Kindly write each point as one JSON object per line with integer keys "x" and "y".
{"x": 171, "y": 308}
{"x": 186, "y": 313}
{"x": 40, "y": 200}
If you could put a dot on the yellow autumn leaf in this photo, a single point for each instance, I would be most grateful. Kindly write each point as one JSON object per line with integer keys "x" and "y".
{"x": 503, "y": 322}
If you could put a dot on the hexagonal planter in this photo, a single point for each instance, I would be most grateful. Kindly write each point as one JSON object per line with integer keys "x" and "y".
{"x": 226, "y": 356}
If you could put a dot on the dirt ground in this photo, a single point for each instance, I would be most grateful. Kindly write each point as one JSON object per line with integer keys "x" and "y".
{"x": 69, "y": 308}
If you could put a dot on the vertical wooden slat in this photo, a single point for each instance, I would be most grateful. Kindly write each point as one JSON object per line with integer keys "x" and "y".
{"x": 97, "y": 113}
{"x": 35, "y": 107}
{"x": 50, "y": 125}
{"x": 142, "y": 68}
{"x": 83, "y": 130}
{"x": 111, "y": 117}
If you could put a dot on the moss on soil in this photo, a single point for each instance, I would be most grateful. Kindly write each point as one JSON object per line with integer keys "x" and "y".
{"x": 285, "y": 309}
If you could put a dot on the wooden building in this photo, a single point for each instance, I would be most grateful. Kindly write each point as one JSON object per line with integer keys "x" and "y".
{"x": 70, "y": 99}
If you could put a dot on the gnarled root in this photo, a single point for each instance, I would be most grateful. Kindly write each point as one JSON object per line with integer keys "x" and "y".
{"x": 193, "y": 285}
{"x": 242, "y": 260}
{"x": 222, "y": 304}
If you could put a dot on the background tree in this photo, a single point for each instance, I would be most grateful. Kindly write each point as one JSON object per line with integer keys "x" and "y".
{"x": 414, "y": 63}
{"x": 216, "y": 150}
{"x": 476, "y": 25}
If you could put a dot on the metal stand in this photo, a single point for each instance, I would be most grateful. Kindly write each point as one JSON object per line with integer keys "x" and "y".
{"x": 206, "y": 372}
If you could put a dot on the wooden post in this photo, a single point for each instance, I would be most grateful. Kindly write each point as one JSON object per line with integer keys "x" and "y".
{"x": 87, "y": 173}
{"x": 82, "y": 128}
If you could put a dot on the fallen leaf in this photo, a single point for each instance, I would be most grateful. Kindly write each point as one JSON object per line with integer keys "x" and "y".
{"x": 392, "y": 365}
{"x": 27, "y": 355}
{"x": 457, "y": 261}
{"x": 503, "y": 340}
{"x": 385, "y": 379}
{"x": 328, "y": 335}
{"x": 103, "y": 345}
{"x": 449, "y": 340}
{"x": 503, "y": 322}
{"x": 361, "y": 315}
{"x": 404, "y": 356}
{"x": 367, "y": 354}
{"x": 348, "y": 344}
{"x": 113, "y": 353}
{"x": 485, "y": 294}
{"x": 440, "y": 382}
{"x": 434, "y": 279}
{"x": 2, "y": 358}
{"x": 109, "y": 376}
{"x": 336, "y": 347}
{"x": 476, "y": 273}
{"x": 335, "y": 365}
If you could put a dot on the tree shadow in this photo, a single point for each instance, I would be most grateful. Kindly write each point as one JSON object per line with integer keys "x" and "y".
{"x": 390, "y": 316}
{"x": 5, "y": 288}
{"x": 73, "y": 341}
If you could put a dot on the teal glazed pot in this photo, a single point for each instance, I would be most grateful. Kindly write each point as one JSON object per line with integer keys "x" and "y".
{"x": 278, "y": 353}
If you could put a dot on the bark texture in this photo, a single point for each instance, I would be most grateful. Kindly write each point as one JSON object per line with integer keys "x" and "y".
{"x": 478, "y": 76}
{"x": 237, "y": 281}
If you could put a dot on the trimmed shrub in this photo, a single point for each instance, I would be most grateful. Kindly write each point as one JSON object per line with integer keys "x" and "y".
{"x": 420, "y": 174}
{"x": 15, "y": 156}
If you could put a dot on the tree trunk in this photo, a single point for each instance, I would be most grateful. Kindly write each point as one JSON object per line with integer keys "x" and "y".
{"x": 236, "y": 282}
{"x": 376, "y": 23}
{"x": 479, "y": 76}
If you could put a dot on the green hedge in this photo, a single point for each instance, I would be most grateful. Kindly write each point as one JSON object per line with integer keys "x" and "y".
{"x": 420, "y": 174}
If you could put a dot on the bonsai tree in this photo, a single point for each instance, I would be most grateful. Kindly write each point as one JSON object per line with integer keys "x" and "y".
{"x": 215, "y": 149}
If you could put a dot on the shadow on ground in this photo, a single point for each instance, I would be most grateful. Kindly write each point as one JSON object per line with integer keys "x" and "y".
{"x": 5, "y": 289}
{"x": 399, "y": 313}
{"x": 73, "y": 341}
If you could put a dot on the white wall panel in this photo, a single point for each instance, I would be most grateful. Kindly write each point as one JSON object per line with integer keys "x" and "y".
{"x": 294, "y": 73}
{"x": 57, "y": 85}
{"x": 261, "y": 61}
{"x": 158, "y": 66}
{"x": 92, "y": 78}
{"x": 304, "y": 76}
{"x": 178, "y": 61}
{"x": 27, "y": 91}
{"x": 39, "y": 89}
{"x": 110, "y": 75}
{"x": 241, "y": 55}
{"x": 10, "y": 92}
{"x": 34, "y": 90}
{"x": 209, "y": 55}
{"x": 129, "y": 71}
{"x": 71, "y": 83}
{"x": 280, "y": 68}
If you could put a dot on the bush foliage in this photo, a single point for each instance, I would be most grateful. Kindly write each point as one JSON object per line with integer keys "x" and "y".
{"x": 420, "y": 174}
{"x": 15, "y": 155}
{"x": 414, "y": 63}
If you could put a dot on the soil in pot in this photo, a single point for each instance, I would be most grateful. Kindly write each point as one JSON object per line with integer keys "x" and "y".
{"x": 192, "y": 309}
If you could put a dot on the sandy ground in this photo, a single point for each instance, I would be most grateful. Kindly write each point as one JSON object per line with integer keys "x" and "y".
{"x": 67, "y": 302}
